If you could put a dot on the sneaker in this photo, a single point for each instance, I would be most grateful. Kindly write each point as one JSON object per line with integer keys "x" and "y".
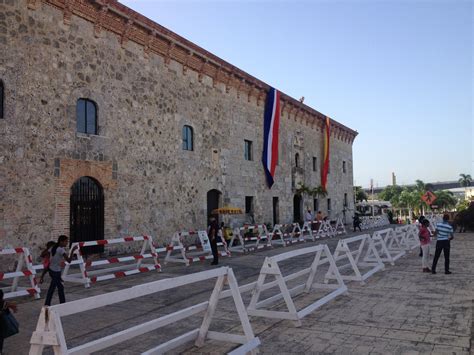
{"x": 448, "y": 272}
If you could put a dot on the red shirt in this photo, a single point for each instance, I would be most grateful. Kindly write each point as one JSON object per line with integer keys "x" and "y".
{"x": 425, "y": 236}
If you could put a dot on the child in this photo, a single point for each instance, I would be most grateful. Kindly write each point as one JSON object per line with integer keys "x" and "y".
{"x": 425, "y": 240}
{"x": 45, "y": 255}
{"x": 58, "y": 254}
{"x": 5, "y": 308}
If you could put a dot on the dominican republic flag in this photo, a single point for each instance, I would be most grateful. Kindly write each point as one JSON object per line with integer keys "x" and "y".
{"x": 271, "y": 128}
{"x": 325, "y": 169}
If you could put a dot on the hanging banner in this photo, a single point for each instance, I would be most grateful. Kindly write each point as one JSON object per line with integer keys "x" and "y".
{"x": 325, "y": 169}
{"x": 271, "y": 127}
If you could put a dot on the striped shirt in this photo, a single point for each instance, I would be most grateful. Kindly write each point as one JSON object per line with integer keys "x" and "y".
{"x": 444, "y": 230}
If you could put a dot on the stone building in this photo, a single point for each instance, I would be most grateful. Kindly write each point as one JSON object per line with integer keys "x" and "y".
{"x": 113, "y": 125}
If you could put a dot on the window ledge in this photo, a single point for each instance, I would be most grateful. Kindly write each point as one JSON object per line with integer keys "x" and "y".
{"x": 89, "y": 136}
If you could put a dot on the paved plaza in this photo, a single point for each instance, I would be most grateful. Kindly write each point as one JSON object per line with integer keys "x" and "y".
{"x": 398, "y": 311}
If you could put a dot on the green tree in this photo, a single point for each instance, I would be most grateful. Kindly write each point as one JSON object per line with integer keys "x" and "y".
{"x": 391, "y": 193}
{"x": 462, "y": 205}
{"x": 465, "y": 180}
{"x": 360, "y": 194}
{"x": 317, "y": 191}
{"x": 445, "y": 199}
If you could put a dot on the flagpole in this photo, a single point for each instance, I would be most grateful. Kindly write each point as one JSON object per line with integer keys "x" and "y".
{"x": 372, "y": 191}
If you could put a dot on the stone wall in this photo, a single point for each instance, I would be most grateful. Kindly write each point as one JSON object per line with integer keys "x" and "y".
{"x": 150, "y": 184}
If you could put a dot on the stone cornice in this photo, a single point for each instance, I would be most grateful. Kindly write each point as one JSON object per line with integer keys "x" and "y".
{"x": 129, "y": 25}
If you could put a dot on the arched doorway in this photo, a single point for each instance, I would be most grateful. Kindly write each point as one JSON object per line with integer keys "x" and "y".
{"x": 297, "y": 207}
{"x": 87, "y": 213}
{"x": 213, "y": 201}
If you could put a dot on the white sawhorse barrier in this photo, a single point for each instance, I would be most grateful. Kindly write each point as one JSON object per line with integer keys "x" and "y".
{"x": 242, "y": 244}
{"x": 325, "y": 230}
{"x": 387, "y": 247}
{"x": 271, "y": 268}
{"x": 24, "y": 268}
{"x": 49, "y": 330}
{"x": 88, "y": 269}
{"x": 358, "y": 251}
{"x": 191, "y": 247}
{"x": 400, "y": 235}
{"x": 307, "y": 231}
{"x": 340, "y": 228}
{"x": 412, "y": 240}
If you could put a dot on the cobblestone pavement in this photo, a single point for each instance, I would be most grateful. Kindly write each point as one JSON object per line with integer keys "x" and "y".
{"x": 397, "y": 311}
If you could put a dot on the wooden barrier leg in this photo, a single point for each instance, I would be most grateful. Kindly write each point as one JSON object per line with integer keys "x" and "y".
{"x": 387, "y": 252}
{"x": 257, "y": 290}
{"x": 211, "y": 309}
{"x": 333, "y": 267}
{"x": 359, "y": 251}
{"x": 146, "y": 242}
{"x": 49, "y": 331}
{"x": 19, "y": 267}
{"x": 312, "y": 273}
{"x": 239, "y": 305}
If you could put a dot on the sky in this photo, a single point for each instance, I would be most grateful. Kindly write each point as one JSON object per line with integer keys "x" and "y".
{"x": 398, "y": 72}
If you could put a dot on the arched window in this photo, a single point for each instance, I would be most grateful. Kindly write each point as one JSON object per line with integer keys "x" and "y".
{"x": 187, "y": 137}
{"x": 297, "y": 160}
{"x": 2, "y": 93}
{"x": 86, "y": 116}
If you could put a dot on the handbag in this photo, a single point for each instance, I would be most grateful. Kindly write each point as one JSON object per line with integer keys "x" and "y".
{"x": 8, "y": 324}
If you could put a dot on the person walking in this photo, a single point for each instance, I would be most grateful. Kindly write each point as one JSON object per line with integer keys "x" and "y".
{"x": 425, "y": 240}
{"x": 308, "y": 217}
{"x": 213, "y": 231}
{"x": 419, "y": 225}
{"x": 444, "y": 235}
{"x": 356, "y": 222}
{"x": 46, "y": 256}
{"x": 58, "y": 254}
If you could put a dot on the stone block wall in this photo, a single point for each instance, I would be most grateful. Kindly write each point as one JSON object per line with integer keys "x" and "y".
{"x": 50, "y": 58}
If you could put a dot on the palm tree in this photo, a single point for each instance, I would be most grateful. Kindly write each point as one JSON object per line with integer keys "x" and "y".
{"x": 420, "y": 186}
{"x": 318, "y": 191}
{"x": 445, "y": 199}
{"x": 465, "y": 180}
{"x": 420, "y": 190}
{"x": 303, "y": 190}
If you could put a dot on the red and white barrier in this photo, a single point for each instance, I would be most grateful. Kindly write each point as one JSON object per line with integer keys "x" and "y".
{"x": 242, "y": 243}
{"x": 355, "y": 250}
{"x": 88, "y": 275}
{"x": 281, "y": 234}
{"x": 49, "y": 330}
{"x": 24, "y": 268}
{"x": 387, "y": 246}
{"x": 325, "y": 230}
{"x": 191, "y": 246}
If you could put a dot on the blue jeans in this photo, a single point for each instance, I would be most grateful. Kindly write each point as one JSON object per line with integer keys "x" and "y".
{"x": 55, "y": 282}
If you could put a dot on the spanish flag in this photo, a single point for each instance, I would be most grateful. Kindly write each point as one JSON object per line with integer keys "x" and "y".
{"x": 325, "y": 169}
